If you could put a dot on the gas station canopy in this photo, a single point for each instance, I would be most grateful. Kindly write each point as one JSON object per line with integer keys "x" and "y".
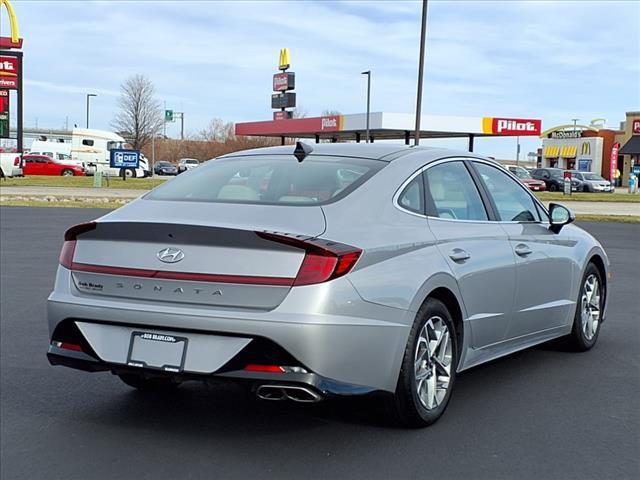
{"x": 390, "y": 126}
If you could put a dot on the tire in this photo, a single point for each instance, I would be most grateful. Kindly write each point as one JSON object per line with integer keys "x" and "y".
{"x": 67, "y": 173}
{"x": 588, "y": 317}
{"x": 153, "y": 384}
{"x": 553, "y": 187}
{"x": 419, "y": 403}
{"x": 130, "y": 173}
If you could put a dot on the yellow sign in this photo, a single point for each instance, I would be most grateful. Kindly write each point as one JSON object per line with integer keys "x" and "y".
{"x": 284, "y": 59}
{"x": 585, "y": 148}
{"x": 14, "y": 41}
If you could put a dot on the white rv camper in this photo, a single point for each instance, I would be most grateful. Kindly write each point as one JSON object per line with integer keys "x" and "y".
{"x": 91, "y": 149}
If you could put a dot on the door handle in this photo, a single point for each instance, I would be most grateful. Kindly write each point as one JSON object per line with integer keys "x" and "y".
{"x": 522, "y": 250}
{"x": 459, "y": 255}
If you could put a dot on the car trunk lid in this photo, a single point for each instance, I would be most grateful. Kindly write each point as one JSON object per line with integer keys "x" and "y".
{"x": 207, "y": 254}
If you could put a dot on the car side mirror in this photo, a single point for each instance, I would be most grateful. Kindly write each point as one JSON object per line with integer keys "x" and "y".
{"x": 559, "y": 217}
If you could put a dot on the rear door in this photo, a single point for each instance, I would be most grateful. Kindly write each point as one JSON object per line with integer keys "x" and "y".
{"x": 476, "y": 249}
{"x": 544, "y": 266}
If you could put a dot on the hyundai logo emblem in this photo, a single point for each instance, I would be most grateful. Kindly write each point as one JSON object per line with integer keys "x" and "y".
{"x": 170, "y": 255}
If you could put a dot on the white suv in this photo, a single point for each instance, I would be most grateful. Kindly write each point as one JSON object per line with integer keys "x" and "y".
{"x": 187, "y": 164}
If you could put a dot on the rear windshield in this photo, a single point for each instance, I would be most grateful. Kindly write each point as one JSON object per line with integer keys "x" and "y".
{"x": 592, "y": 176}
{"x": 274, "y": 180}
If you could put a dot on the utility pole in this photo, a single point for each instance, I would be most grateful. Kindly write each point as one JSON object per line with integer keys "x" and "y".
{"x": 423, "y": 39}
{"x": 89, "y": 95}
{"x": 368, "y": 74}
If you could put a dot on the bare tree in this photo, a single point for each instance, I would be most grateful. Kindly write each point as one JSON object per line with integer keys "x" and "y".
{"x": 299, "y": 112}
{"x": 139, "y": 117}
{"x": 218, "y": 131}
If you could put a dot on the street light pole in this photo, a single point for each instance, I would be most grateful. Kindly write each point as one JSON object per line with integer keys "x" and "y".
{"x": 423, "y": 35}
{"x": 89, "y": 95}
{"x": 575, "y": 122}
{"x": 368, "y": 74}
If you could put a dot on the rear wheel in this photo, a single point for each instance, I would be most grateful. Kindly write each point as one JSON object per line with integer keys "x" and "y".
{"x": 428, "y": 368}
{"x": 152, "y": 384}
{"x": 553, "y": 188}
{"x": 67, "y": 173}
{"x": 588, "y": 318}
{"x": 130, "y": 173}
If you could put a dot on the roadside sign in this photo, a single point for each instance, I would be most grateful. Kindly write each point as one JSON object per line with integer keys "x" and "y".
{"x": 4, "y": 101}
{"x": 168, "y": 115}
{"x": 121, "y": 158}
{"x": 284, "y": 81}
{"x": 567, "y": 183}
{"x": 4, "y": 124}
{"x": 614, "y": 162}
{"x": 283, "y": 100}
{"x": 9, "y": 71}
{"x": 283, "y": 115}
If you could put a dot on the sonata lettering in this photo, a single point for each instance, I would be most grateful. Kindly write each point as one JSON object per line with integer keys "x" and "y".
{"x": 154, "y": 288}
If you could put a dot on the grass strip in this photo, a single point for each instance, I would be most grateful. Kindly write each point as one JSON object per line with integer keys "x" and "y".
{"x": 588, "y": 197}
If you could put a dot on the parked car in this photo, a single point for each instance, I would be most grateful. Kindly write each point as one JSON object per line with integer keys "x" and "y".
{"x": 42, "y": 165}
{"x": 592, "y": 182}
{"x": 554, "y": 179}
{"x": 525, "y": 177}
{"x": 165, "y": 168}
{"x": 333, "y": 269}
{"x": 187, "y": 164}
{"x": 11, "y": 164}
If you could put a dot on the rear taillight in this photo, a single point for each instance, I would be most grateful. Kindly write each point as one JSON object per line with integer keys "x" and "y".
{"x": 69, "y": 245}
{"x": 323, "y": 260}
{"x": 16, "y": 162}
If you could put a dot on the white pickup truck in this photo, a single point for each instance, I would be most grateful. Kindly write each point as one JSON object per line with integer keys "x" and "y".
{"x": 10, "y": 164}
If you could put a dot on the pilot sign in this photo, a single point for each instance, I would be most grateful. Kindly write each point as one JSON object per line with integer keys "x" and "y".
{"x": 121, "y": 158}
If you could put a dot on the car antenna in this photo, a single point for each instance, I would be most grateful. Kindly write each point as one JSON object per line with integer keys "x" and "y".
{"x": 302, "y": 150}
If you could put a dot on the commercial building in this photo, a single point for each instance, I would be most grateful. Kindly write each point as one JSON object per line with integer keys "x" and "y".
{"x": 594, "y": 148}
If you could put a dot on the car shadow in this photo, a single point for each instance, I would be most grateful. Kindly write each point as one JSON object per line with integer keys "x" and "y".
{"x": 231, "y": 410}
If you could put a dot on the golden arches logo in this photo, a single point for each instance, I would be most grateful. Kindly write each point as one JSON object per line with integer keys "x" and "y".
{"x": 585, "y": 148}
{"x": 283, "y": 62}
{"x": 14, "y": 41}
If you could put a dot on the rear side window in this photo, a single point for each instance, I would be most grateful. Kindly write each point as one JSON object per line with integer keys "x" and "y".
{"x": 87, "y": 142}
{"x": 273, "y": 180}
{"x": 454, "y": 193}
{"x": 412, "y": 197}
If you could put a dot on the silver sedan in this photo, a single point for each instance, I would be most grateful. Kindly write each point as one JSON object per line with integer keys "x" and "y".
{"x": 326, "y": 270}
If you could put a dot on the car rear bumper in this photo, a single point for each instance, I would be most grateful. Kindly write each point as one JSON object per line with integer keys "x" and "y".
{"x": 327, "y": 328}
{"x": 324, "y": 387}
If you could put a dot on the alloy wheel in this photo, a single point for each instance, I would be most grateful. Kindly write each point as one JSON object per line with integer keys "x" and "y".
{"x": 590, "y": 306}
{"x": 432, "y": 362}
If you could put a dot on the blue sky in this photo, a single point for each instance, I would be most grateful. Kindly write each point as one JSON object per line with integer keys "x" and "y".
{"x": 550, "y": 60}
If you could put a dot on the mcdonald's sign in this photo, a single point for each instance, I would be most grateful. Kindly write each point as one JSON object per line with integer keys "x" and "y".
{"x": 14, "y": 41}
{"x": 585, "y": 149}
{"x": 283, "y": 62}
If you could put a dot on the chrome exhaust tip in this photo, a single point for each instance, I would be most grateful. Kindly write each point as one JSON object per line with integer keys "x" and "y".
{"x": 270, "y": 392}
{"x": 295, "y": 393}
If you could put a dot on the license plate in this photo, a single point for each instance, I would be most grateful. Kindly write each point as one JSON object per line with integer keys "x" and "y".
{"x": 157, "y": 351}
{"x": 536, "y": 188}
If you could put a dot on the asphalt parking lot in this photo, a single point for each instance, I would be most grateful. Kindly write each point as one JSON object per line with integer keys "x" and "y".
{"x": 544, "y": 413}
